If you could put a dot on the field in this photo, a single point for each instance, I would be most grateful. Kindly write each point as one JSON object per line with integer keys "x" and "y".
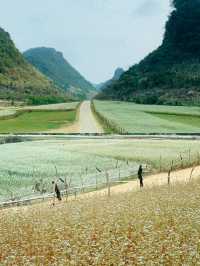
{"x": 37, "y": 121}
{"x": 159, "y": 226}
{"x": 134, "y": 118}
{"x": 58, "y": 106}
{"x": 24, "y": 164}
{"x": 37, "y": 118}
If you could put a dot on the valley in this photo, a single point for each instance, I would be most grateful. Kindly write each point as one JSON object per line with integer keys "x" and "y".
{"x": 96, "y": 168}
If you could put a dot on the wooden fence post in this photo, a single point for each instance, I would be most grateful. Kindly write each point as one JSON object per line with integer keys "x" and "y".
{"x": 75, "y": 193}
{"x": 169, "y": 173}
{"x": 192, "y": 173}
{"x": 189, "y": 156}
{"x": 169, "y": 177}
{"x": 108, "y": 183}
{"x": 160, "y": 163}
{"x": 181, "y": 158}
{"x": 198, "y": 158}
{"x": 96, "y": 181}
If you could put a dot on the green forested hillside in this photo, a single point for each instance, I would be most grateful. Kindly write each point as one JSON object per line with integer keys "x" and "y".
{"x": 19, "y": 80}
{"x": 171, "y": 74}
{"x": 52, "y": 64}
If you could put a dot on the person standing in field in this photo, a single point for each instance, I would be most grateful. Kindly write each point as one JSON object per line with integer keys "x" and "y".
{"x": 140, "y": 176}
{"x": 56, "y": 192}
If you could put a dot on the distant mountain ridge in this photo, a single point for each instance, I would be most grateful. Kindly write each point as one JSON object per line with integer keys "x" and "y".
{"x": 19, "y": 80}
{"x": 118, "y": 72}
{"x": 53, "y": 64}
{"x": 170, "y": 74}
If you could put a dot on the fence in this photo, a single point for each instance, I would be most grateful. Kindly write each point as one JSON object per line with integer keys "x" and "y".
{"x": 107, "y": 124}
{"x": 112, "y": 177}
{"x": 110, "y": 180}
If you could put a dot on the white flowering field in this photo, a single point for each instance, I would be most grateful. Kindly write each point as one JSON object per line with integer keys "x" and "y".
{"x": 7, "y": 112}
{"x": 10, "y": 111}
{"x": 24, "y": 164}
{"x": 138, "y": 118}
{"x": 58, "y": 106}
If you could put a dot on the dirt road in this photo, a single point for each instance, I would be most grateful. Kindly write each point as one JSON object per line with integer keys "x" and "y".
{"x": 86, "y": 123}
{"x": 182, "y": 176}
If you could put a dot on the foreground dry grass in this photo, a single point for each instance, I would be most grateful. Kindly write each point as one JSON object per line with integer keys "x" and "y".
{"x": 157, "y": 226}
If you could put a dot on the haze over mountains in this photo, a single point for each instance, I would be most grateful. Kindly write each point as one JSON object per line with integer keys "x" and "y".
{"x": 52, "y": 64}
{"x": 171, "y": 74}
{"x": 42, "y": 75}
{"x": 118, "y": 72}
{"x": 19, "y": 80}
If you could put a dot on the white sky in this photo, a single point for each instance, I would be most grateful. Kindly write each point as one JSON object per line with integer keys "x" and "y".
{"x": 95, "y": 36}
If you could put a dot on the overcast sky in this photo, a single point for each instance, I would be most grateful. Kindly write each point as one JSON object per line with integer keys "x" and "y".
{"x": 95, "y": 36}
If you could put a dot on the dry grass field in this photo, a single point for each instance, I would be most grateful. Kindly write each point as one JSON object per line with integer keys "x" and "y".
{"x": 157, "y": 226}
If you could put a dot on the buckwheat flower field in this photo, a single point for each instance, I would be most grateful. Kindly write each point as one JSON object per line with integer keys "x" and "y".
{"x": 24, "y": 164}
{"x": 158, "y": 226}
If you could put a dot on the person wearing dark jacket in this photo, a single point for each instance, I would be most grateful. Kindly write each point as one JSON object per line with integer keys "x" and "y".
{"x": 140, "y": 176}
{"x": 56, "y": 190}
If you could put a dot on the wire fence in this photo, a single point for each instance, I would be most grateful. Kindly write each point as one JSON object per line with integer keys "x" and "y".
{"x": 111, "y": 178}
{"x": 104, "y": 178}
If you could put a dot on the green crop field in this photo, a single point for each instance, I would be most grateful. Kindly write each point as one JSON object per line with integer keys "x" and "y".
{"x": 36, "y": 118}
{"x": 37, "y": 121}
{"x": 58, "y": 106}
{"x": 134, "y": 118}
{"x": 23, "y": 164}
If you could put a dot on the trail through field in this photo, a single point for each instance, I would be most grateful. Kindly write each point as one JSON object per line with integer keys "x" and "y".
{"x": 183, "y": 176}
{"x": 86, "y": 122}
{"x": 180, "y": 176}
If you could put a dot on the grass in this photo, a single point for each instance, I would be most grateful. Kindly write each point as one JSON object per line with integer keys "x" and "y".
{"x": 37, "y": 121}
{"x": 158, "y": 226}
{"x": 13, "y": 112}
{"x": 134, "y": 118}
{"x": 24, "y": 164}
{"x": 58, "y": 106}
{"x": 190, "y": 120}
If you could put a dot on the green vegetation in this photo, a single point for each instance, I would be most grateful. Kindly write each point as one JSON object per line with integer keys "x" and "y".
{"x": 58, "y": 106}
{"x": 23, "y": 164}
{"x": 135, "y": 118}
{"x": 38, "y": 118}
{"x": 20, "y": 81}
{"x": 52, "y": 64}
{"x": 169, "y": 75}
{"x": 37, "y": 121}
